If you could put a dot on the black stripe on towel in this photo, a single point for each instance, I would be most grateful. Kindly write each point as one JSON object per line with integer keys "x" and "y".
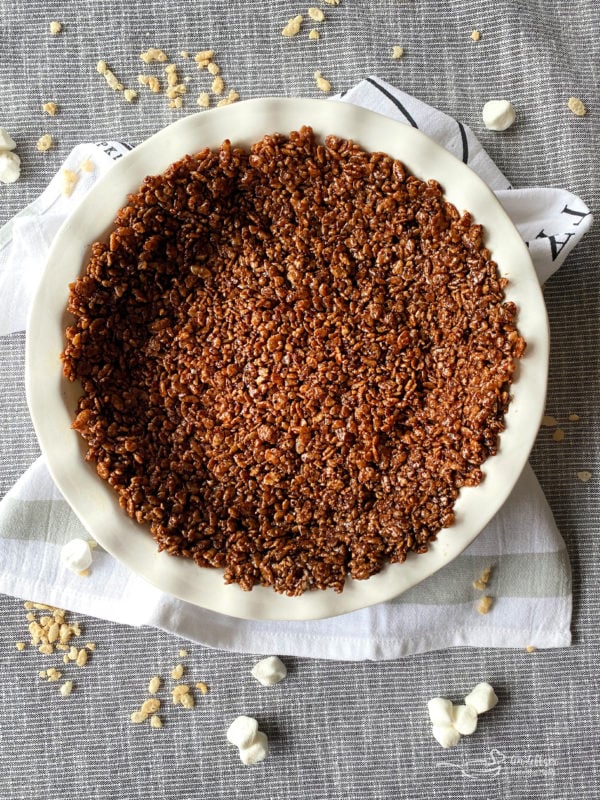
{"x": 465, "y": 143}
{"x": 394, "y": 100}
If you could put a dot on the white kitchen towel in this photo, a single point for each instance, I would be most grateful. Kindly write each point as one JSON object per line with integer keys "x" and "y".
{"x": 531, "y": 575}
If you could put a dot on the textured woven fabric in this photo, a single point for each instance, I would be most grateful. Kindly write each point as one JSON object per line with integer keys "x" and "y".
{"x": 336, "y": 730}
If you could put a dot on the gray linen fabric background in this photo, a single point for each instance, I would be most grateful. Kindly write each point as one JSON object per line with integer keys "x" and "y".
{"x": 337, "y": 730}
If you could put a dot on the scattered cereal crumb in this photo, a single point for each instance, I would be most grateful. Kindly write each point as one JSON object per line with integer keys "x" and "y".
{"x": 584, "y": 475}
{"x": 177, "y": 102}
{"x": 43, "y": 673}
{"x": 155, "y": 721}
{"x": 332, "y": 2}
{"x": 187, "y": 700}
{"x": 130, "y": 95}
{"x": 69, "y": 180}
{"x": 150, "y": 706}
{"x": 293, "y": 26}
{"x": 21, "y": 646}
{"x": 178, "y": 692}
{"x": 184, "y": 54}
{"x": 397, "y": 51}
{"x": 177, "y": 672}
{"x": 574, "y": 417}
{"x": 322, "y": 83}
{"x": 66, "y": 688}
{"x": 53, "y": 675}
{"x": 151, "y": 81}
{"x": 109, "y": 76}
{"x": 218, "y": 85}
{"x": 183, "y": 653}
{"x": 154, "y": 684}
{"x": 82, "y": 657}
{"x": 231, "y": 98}
{"x": 213, "y": 68}
{"x": 73, "y": 653}
{"x": 483, "y": 579}
{"x": 549, "y": 422}
{"x": 91, "y": 646}
{"x": 153, "y": 55}
{"x": 203, "y": 100}
{"x": 66, "y": 659}
{"x": 55, "y": 27}
{"x": 484, "y": 605}
{"x": 314, "y": 34}
{"x": 202, "y": 687}
{"x": 84, "y": 573}
{"x": 475, "y": 36}
{"x": 46, "y": 649}
{"x": 316, "y": 14}
{"x": 558, "y": 435}
{"x": 577, "y": 107}
{"x": 203, "y": 58}
{"x": 138, "y": 716}
{"x": 50, "y": 108}
{"x": 44, "y": 143}
{"x": 530, "y": 648}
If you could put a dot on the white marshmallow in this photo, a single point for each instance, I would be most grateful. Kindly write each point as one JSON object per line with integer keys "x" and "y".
{"x": 269, "y": 671}
{"x": 498, "y": 115}
{"x": 482, "y": 698}
{"x": 10, "y": 167}
{"x": 243, "y": 732}
{"x": 6, "y": 140}
{"x": 446, "y": 735}
{"x": 440, "y": 711}
{"x": 76, "y": 555}
{"x": 257, "y": 751}
{"x": 464, "y": 719}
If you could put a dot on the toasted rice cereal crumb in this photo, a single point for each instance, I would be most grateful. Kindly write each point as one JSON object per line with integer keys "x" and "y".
{"x": 73, "y": 653}
{"x": 558, "y": 435}
{"x": 153, "y": 55}
{"x": 44, "y": 143}
{"x": 138, "y": 716}
{"x": 483, "y": 579}
{"x": 183, "y": 653}
{"x": 53, "y": 675}
{"x": 31, "y": 616}
{"x": 82, "y": 657}
{"x": 130, "y": 95}
{"x": 187, "y": 700}
{"x": 314, "y": 34}
{"x": 43, "y": 674}
{"x": 227, "y": 101}
{"x": 150, "y": 706}
{"x": 90, "y": 645}
{"x": 577, "y": 107}
{"x": 574, "y": 417}
{"x": 584, "y": 475}
{"x": 177, "y": 672}
{"x": 154, "y": 685}
{"x": 50, "y": 108}
{"x": 20, "y": 646}
{"x": 46, "y": 649}
{"x": 151, "y": 81}
{"x": 322, "y": 83}
{"x": 66, "y": 659}
{"x": 180, "y": 689}
{"x": 332, "y": 2}
{"x": 55, "y": 27}
{"x": 202, "y": 687}
{"x": 293, "y": 27}
{"x": 530, "y": 648}
{"x": 203, "y": 100}
{"x": 397, "y": 51}
{"x": 155, "y": 721}
{"x": 213, "y": 68}
{"x": 316, "y": 14}
{"x": 87, "y": 165}
{"x": 484, "y": 605}
{"x": 184, "y": 54}
{"x": 69, "y": 180}
{"x": 204, "y": 55}
{"x": 218, "y": 85}
{"x": 66, "y": 688}
{"x": 109, "y": 76}
{"x": 549, "y": 421}
{"x": 475, "y": 36}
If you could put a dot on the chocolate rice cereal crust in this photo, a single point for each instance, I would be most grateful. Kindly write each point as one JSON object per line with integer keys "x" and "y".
{"x": 292, "y": 358}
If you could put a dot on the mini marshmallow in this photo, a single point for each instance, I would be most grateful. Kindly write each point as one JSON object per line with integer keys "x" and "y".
{"x": 257, "y": 751}
{"x": 269, "y": 671}
{"x": 498, "y": 115}
{"x": 440, "y": 711}
{"x": 464, "y": 719}
{"x": 6, "y": 140}
{"x": 482, "y": 698}
{"x": 446, "y": 735}
{"x": 243, "y": 732}
{"x": 76, "y": 555}
{"x": 10, "y": 167}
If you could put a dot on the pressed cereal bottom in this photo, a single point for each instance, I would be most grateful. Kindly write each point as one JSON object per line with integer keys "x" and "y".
{"x": 292, "y": 358}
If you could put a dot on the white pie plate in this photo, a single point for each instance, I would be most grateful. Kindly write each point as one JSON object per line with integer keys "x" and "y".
{"x": 52, "y": 399}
